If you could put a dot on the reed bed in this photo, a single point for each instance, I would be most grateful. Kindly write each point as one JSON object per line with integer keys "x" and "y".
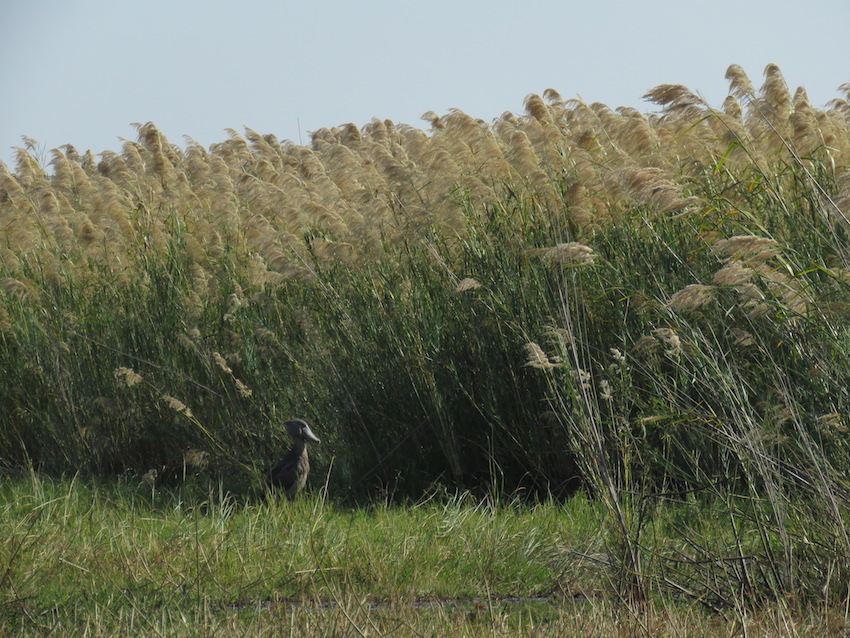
{"x": 648, "y": 308}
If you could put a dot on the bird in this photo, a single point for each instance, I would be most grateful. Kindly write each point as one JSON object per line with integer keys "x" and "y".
{"x": 290, "y": 474}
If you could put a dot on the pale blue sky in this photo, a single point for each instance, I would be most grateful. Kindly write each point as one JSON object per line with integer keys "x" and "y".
{"x": 81, "y": 71}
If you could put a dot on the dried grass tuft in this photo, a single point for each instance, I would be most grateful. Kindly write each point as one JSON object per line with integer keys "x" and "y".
{"x": 677, "y": 100}
{"x": 691, "y": 297}
{"x": 569, "y": 254}
{"x": 749, "y": 248}
{"x": 128, "y": 377}
{"x": 176, "y": 405}
{"x": 467, "y": 284}
{"x": 537, "y": 358}
{"x": 739, "y": 83}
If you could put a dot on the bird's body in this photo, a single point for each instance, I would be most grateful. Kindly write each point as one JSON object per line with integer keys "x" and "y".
{"x": 290, "y": 474}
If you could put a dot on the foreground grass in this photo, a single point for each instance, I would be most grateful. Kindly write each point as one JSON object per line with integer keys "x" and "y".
{"x": 121, "y": 560}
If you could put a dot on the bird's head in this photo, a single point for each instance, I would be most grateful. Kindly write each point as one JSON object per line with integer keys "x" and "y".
{"x": 298, "y": 429}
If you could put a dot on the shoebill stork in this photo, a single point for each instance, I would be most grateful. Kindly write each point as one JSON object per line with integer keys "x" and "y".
{"x": 290, "y": 474}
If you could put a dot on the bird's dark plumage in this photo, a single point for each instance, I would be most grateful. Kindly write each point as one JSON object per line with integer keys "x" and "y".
{"x": 290, "y": 474}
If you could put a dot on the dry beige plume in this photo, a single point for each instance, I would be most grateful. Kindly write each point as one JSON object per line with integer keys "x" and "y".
{"x": 651, "y": 186}
{"x": 739, "y": 84}
{"x": 691, "y": 297}
{"x": 774, "y": 91}
{"x": 243, "y": 390}
{"x": 537, "y": 108}
{"x": 665, "y": 338}
{"x": 353, "y": 186}
{"x": 536, "y": 358}
{"x": 751, "y": 248}
{"x": 221, "y": 362}
{"x": 734, "y": 273}
{"x": 184, "y": 340}
{"x": 176, "y": 405}
{"x": 570, "y": 254}
{"x": 127, "y": 376}
{"x": 583, "y": 378}
{"x": 677, "y": 100}
{"x": 467, "y": 284}
{"x": 17, "y": 287}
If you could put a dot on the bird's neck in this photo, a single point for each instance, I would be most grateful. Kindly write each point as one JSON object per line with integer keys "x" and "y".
{"x": 298, "y": 446}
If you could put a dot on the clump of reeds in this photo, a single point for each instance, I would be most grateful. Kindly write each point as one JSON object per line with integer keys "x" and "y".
{"x": 445, "y": 305}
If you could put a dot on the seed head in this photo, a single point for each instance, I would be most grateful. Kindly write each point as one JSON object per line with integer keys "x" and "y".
{"x": 127, "y": 376}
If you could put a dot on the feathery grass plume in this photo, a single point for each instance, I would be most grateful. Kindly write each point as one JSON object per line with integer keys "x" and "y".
{"x": 739, "y": 83}
{"x": 127, "y": 376}
{"x": 9, "y": 260}
{"x": 732, "y": 108}
{"x": 635, "y": 134}
{"x": 832, "y": 423}
{"x": 583, "y": 378}
{"x": 376, "y": 131}
{"x": 660, "y": 338}
{"x": 536, "y": 358}
{"x": 28, "y": 172}
{"x": 652, "y": 187}
{"x": 20, "y": 288}
{"x": 350, "y": 135}
{"x": 537, "y": 108}
{"x": 553, "y": 97}
{"x": 559, "y": 337}
{"x": 748, "y": 248}
{"x": 774, "y": 95}
{"x": 805, "y": 134}
{"x": 753, "y": 301}
{"x": 569, "y": 254}
{"x": 232, "y": 304}
{"x": 177, "y": 405}
{"x": 691, "y": 297}
{"x": 467, "y": 284}
{"x": 63, "y": 176}
{"x": 221, "y": 362}
{"x": 243, "y": 390}
{"x": 11, "y": 191}
{"x": 785, "y": 288}
{"x": 734, "y": 273}
{"x": 677, "y": 100}
{"x": 87, "y": 233}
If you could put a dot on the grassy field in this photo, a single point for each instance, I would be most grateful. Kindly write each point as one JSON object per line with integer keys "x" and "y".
{"x": 125, "y": 560}
{"x": 647, "y": 310}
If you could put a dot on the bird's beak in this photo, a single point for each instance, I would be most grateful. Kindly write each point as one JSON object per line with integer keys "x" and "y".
{"x": 308, "y": 434}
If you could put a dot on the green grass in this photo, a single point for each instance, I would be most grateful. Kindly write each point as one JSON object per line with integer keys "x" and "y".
{"x": 117, "y": 559}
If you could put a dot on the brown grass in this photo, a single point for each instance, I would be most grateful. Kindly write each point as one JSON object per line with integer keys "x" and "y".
{"x": 353, "y": 189}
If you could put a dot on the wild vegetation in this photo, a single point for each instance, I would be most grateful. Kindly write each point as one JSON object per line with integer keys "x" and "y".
{"x": 120, "y": 559}
{"x": 646, "y": 308}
